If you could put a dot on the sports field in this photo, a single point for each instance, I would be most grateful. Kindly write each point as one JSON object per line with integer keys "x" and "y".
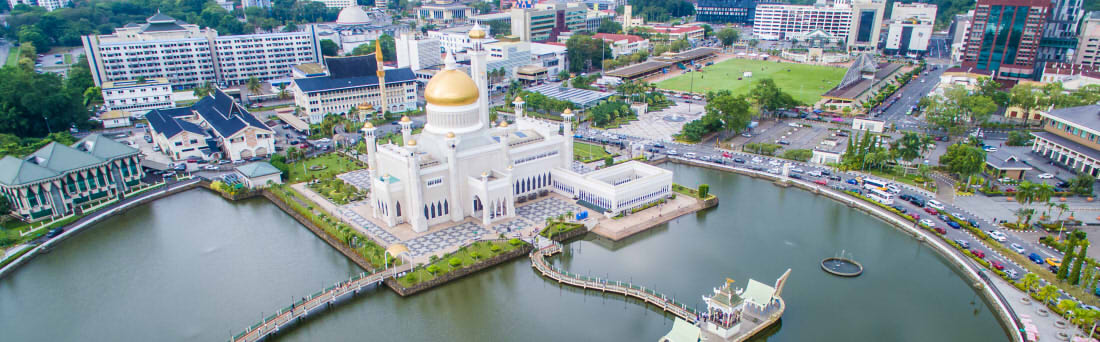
{"x": 805, "y": 82}
{"x": 588, "y": 152}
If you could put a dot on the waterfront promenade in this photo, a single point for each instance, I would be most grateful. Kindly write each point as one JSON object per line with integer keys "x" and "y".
{"x": 538, "y": 261}
{"x": 321, "y": 300}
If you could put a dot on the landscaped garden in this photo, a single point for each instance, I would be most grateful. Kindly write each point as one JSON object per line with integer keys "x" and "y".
{"x": 702, "y": 192}
{"x": 337, "y": 191}
{"x": 364, "y": 246}
{"x": 325, "y": 166}
{"x": 587, "y": 153}
{"x": 804, "y": 82}
{"x": 465, "y": 256}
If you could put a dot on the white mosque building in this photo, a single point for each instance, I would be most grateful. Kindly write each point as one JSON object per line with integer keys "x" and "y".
{"x": 461, "y": 166}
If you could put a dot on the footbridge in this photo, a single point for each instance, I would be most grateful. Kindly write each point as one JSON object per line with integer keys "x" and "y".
{"x": 538, "y": 261}
{"x": 314, "y": 304}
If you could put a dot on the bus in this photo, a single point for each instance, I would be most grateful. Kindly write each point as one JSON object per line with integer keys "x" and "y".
{"x": 871, "y": 184}
{"x": 880, "y": 196}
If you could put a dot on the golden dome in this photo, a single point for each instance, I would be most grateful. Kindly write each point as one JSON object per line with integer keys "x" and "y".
{"x": 412, "y": 142}
{"x": 477, "y": 33}
{"x": 450, "y": 135}
{"x": 368, "y": 125}
{"x": 485, "y": 174}
{"x": 504, "y": 124}
{"x": 451, "y": 87}
{"x": 518, "y": 99}
{"x": 568, "y": 111}
{"x": 405, "y": 118}
{"x": 397, "y": 249}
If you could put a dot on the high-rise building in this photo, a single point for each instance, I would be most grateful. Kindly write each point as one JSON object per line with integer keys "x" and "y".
{"x": 781, "y": 21}
{"x": 418, "y": 52}
{"x": 543, "y": 22}
{"x": 443, "y": 12}
{"x": 337, "y": 3}
{"x": 728, "y": 11}
{"x": 910, "y": 28}
{"x": 960, "y": 26}
{"x": 1088, "y": 43}
{"x": 866, "y": 24}
{"x": 1004, "y": 37}
{"x": 189, "y": 56}
{"x": 49, "y": 5}
{"x": 1060, "y": 31}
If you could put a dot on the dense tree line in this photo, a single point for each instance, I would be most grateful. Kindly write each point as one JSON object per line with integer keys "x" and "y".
{"x": 34, "y": 104}
{"x": 606, "y": 112}
{"x": 389, "y": 48}
{"x": 585, "y": 52}
{"x": 662, "y": 10}
{"x": 64, "y": 26}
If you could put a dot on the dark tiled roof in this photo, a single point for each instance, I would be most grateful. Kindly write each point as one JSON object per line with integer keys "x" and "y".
{"x": 160, "y": 27}
{"x": 167, "y": 121}
{"x": 323, "y": 83}
{"x": 1070, "y": 144}
{"x": 1003, "y": 160}
{"x": 160, "y": 17}
{"x": 224, "y": 115}
{"x": 354, "y": 66}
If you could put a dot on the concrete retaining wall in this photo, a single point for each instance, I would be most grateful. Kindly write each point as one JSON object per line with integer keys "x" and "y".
{"x": 320, "y": 232}
{"x": 481, "y": 265}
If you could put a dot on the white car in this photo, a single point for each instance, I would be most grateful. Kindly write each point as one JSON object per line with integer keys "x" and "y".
{"x": 934, "y": 204}
{"x": 773, "y": 162}
{"x": 1011, "y": 274}
{"x": 672, "y": 152}
{"x": 927, "y": 223}
{"x": 757, "y": 160}
{"x": 1045, "y": 176}
{"x": 796, "y": 170}
{"x": 210, "y": 167}
{"x": 1016, "y": 247}
{"x": 794, "y": 124}
{"x": 689, "y": 155}
{"x": 997, "y": 235}
{"x": 774, "y": 171}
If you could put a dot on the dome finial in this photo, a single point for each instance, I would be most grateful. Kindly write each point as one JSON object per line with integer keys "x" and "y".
{"x": 477, "y": 32}
{"x": 449, "y": 60}
{"x": 378, "y": 50}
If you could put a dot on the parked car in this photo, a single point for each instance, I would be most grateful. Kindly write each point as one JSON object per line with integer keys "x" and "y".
{"x": 963, "y": 243}
{"x": 1016, "y": 247}
{"x": 852, "y": 181}
{"x": 180, "y": 167}
{"x": 835, "y": 178}
{"x": 727, "y": 155}
{"x": 223, "y": 161}
{"x": 795, "y": 176}
{"x": 977, "y": 253}
{"x": 1012, "y": 274}
{"x": 210, "y": 167}
{"x": 821, "y": 182}
{"x": 1054, "y": 262}
{"x": 997, "y": 265}
{"x": 931, "y": 210}
{"x": 899, "y": 208}
{"x": 952, "y": 224}
{"x": 915, "y": 216}
{"x": 998, "y": 235}
{"x": 672, "y": 152}
{"x": 973, "y": 223}
{"x": 940, "y": 230}
{"x": 738, "y": 160}
{"x": 935, "y": 204}
{"x": 927, "y": 223}
{"x": 783, "y": 142}
{"x": 1036, "y": 258}
{"x": 1045, "y": 176}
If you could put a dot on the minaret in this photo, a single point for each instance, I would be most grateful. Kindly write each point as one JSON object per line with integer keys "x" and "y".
{"x": 406, "y": 129}
{"x": 456, "y": 200}
{"x": 371, "y": 141}
{"x": 478, "y": 61}
{"x": 414, "y": 192}
{"x": 517, "y": 105}
{"x": 567, "y": 135}
{"x": 381, "y": 77}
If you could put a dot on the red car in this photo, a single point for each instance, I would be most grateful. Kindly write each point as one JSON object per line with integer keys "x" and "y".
{"x": 931, "y": 210}
{"x": 997, "y": 265}
{"x": 821, "y": 182}
{"x": 977, "y": 253}
{"x": 915, "y": 216}
{"x": 940, "y": 230}
{"x": 727, "y": 155}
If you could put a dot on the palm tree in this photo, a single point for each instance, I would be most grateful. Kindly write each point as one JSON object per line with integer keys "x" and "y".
{"x": 1066, "y": 306}
{"x": 283, "y": 94}
{"x": 1030, "y": 281}
{"x": 254, "y": 86}
{"x": 202, "y": 90}
{"x": 1021, "y": 214}
{"x": 1089, "y": 317}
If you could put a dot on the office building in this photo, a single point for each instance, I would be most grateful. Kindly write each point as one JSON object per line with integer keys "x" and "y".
{"x": 417, "y": 52}
{"x": 1088, "y": 43}
{"x": 355, "y": 82}
{"x": 443, "y": 13}
{"x": 337, "y": 3}
{"x": 1004, "y": 37}
{"x": 455, "y": 39}
{"x": 1071, "y": 138}
{"x": 550, "y": 56}
{"x": 137, "y": 96}
{"x": 623, "y": 44}
{"x": 678, "y": 32}
{"x": 1060, "y": 32}
{"x": 910, "y": 29}
{"x": 49, "y": 5}
{"x": 58, "y": 179}
{"x": 189, "y": 56}
{"x": 215, "y": 127}
{"x": 960, "y": 26}
{"x": 741, "y": 12}
{"x": 866, "y": 24}
{"x": 783, "y": 22}
{"x": 545, "y": 21}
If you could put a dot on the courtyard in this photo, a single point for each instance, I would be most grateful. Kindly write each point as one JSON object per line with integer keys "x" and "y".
{"x": 804, "y": 82}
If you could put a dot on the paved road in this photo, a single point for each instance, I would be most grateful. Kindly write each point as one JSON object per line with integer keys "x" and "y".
{"x": 908, "y": 96}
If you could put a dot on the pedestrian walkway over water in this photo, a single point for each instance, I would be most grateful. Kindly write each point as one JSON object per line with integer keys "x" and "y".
{"x": 308, "y": 306}
{"x": 538, "y": 261}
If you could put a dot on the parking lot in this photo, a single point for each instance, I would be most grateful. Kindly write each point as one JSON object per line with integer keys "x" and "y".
{"x": 654, "y": 126}
{"x": 791, "y": 137}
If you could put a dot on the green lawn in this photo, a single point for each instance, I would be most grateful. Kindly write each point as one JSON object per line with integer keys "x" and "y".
{"x": 805, "y": 82}
{"x": 325, "y": 166}
{"x": 68, "y": 58}
{"x": 588, "y": 152}
{"x": 13, "y": 56}
{"x": 463, "y": 257}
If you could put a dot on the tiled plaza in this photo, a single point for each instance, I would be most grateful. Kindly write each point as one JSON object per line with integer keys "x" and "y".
{"x": 653, "y": 125}
{"x": 539, "y": 211}
{"x": 358, "y": 178}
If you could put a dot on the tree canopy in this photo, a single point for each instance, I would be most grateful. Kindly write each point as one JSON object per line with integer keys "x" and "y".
{"x": 957, "y": 110}
{"x": 389, "y": 48}
{"x": 34, "y": 104}
{"x": 963, "y": 159}
{"x": 585, "y": 52}
{"x": 662, "y": 10}
{"x": 727, "y": 36}
{"x": 329, "y": 47}
{"x": 769, "y": 98}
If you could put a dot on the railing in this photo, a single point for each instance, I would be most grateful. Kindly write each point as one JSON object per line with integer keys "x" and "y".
{"x": 320, "y": 299}
{"x": 650, "y": 296}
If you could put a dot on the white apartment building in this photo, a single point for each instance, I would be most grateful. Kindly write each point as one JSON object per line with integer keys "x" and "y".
{"x": 138, "y": 96}
{"x": 623, "y": 44}
{"x": 443, "y": 13}
{"x": 910, "y": 28}
{"x": 541, "y": 22}
{"x": 456, "y": 39}
{"x": 418, "y": 52}
{"x": 781, "y": 22}
{"x": 550, "y": 56}
{"x": 49, "y": 5}
{"x": 508, "y": 56}
{"x": 188, "y": 56}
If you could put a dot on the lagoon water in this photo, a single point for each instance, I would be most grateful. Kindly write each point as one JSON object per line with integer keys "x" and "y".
{"x": 193, "y": 267}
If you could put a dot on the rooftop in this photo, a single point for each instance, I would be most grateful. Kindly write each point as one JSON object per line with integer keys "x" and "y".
{"x": 1083, "y": 116}
{"x": 582, "y": 97}
{"x": 629, "y": 38}
{"x": 257, "y": 169}
{"x": 56, "y": 159}
{"x": 1003, "y": 160}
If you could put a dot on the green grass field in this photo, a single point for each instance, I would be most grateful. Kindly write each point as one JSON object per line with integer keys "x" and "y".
{"x": 13, "y": 56}
{"x": 805, "y": 82}
{"x": 588, "y": 152}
